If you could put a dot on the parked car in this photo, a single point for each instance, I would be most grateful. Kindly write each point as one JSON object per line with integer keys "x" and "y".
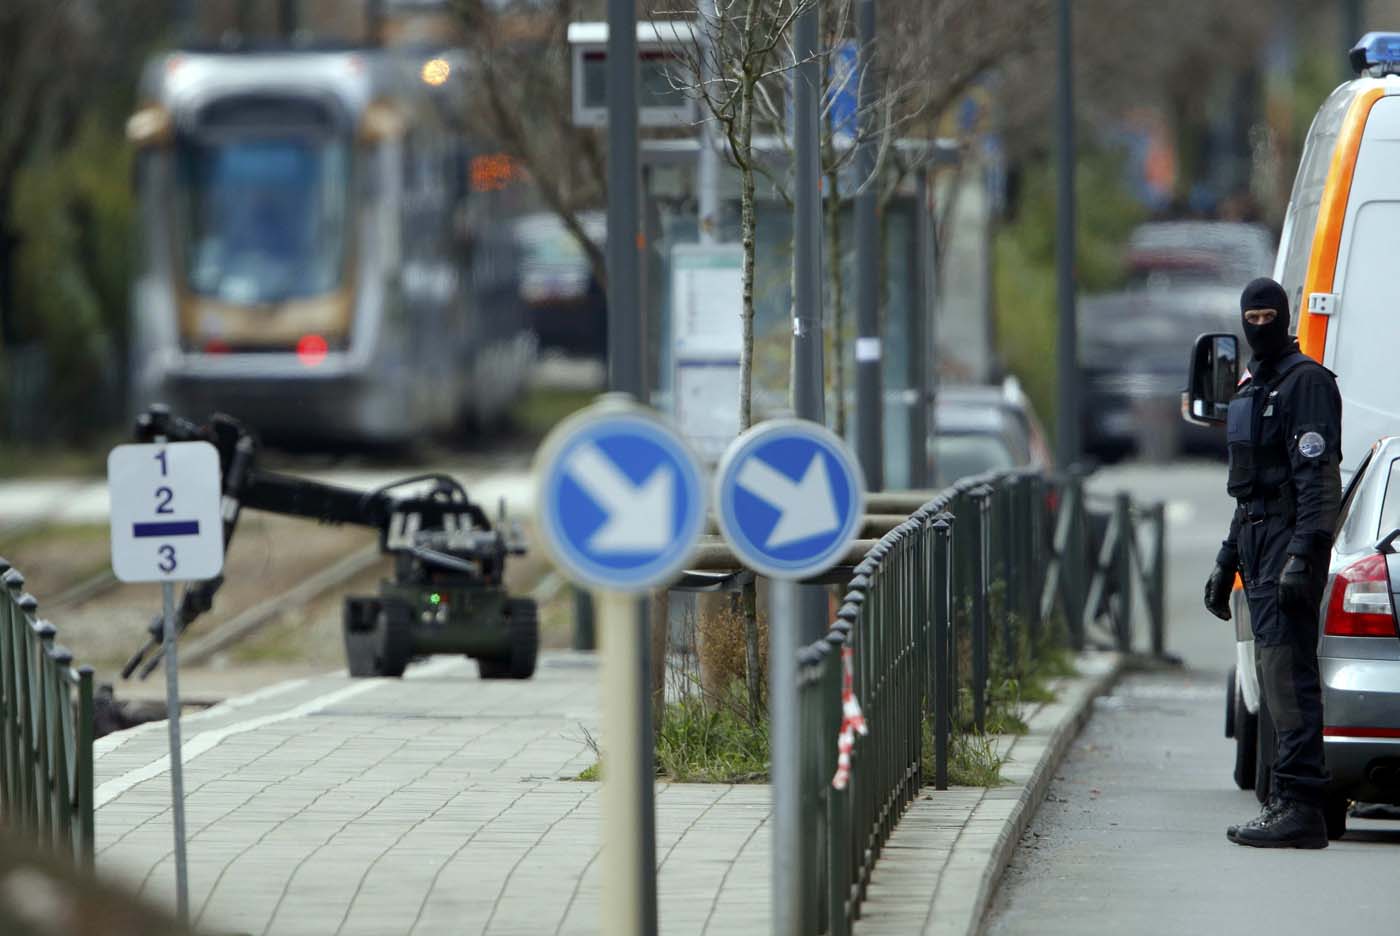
{"x": 1184, "y": 278}
{"x": 566, "y": 307}
{"x": 1133, "y": 371}
{"x": 979, "y": 428}
{"x": 1173, "y": 254}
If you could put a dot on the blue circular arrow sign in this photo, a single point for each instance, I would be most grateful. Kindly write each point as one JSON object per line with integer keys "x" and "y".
{"x": 789, "y": 498}
{"x": 619, "y": 498}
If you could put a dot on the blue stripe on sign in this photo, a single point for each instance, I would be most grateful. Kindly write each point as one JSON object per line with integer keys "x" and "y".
{"x": 169, "y": 528}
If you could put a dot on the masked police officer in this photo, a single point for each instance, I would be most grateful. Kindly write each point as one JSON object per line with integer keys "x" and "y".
{"x": 1284, "y": 433}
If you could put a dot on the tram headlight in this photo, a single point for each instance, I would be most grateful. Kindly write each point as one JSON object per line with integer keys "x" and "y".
{"x": 436, "y": 71}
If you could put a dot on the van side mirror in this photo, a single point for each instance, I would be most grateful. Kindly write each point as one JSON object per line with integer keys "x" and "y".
{"x": 1215, "y": 374}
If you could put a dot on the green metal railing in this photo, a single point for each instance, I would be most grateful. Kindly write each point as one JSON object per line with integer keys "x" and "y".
{"x": 46, "y": 729}
{"x": 974, "y": 580}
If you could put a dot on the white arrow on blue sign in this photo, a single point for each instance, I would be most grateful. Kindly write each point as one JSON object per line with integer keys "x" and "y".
{"x": 619, "y": 498}
{"x": 789, "y": 498}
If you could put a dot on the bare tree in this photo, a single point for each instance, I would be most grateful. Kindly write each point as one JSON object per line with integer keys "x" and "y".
{"x": 739, "y": 52}
{"x": 520, "y": 58}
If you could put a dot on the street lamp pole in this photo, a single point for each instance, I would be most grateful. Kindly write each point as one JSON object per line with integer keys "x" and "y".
{"x": 870, "y": 408}
{"x": 1067, "y": 416}
{"x": 808, "y": 389}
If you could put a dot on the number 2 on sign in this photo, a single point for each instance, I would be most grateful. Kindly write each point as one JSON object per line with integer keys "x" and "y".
{"x": 167, "y": 558}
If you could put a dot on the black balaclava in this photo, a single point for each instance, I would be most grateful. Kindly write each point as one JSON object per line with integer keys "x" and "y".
{"x": 1271, "y": 340}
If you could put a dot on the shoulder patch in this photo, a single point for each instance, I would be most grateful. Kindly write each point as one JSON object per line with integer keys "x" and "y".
{"x": 1311, "y": 445}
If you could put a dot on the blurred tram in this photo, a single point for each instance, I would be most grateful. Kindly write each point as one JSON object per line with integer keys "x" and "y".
{"x": 325, "y": 253}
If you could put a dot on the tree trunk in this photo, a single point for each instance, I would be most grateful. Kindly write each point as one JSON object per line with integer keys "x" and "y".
{"x": 748, "y": 236}
{"x": 660, "y": 613}
{"x": 753, "y": 668}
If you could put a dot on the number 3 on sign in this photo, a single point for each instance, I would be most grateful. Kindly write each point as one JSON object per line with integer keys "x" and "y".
{"x": 167, "y": 558}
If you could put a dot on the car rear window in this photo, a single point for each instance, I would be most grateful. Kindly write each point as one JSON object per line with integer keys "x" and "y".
{"x": 1390, "y": 507}
{"x": 1371, "y": 493}
{"x": 962, "y": 456}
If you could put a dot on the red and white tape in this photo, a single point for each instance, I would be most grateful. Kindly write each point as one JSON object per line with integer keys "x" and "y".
{"x": 852, "y": 722}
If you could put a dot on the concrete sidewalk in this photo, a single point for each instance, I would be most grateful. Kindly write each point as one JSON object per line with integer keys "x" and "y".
{"x": 434, "y": 804}
{"x": 440, "y": 804}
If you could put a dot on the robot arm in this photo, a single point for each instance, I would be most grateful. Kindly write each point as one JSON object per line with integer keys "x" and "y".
{"x": 440, "y": 530}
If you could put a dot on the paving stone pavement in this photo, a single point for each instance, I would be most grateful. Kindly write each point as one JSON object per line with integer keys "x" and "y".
{"x": 434, "y": 804}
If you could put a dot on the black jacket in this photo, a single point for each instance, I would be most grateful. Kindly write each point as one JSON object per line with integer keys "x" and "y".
{"x": 1300, "y": 426}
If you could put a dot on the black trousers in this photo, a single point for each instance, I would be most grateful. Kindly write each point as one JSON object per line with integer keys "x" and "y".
{"x": 1285, "y": 649}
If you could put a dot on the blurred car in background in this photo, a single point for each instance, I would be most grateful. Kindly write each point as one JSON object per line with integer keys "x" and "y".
{"x": 1184, "y": 278}
{"x": 980, "y": 428}
{"x": 566, "y": 305}
{"x": 1167, "y": 254}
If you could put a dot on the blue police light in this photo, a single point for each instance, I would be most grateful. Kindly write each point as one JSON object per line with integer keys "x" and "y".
{"x": 1376, "y": 54}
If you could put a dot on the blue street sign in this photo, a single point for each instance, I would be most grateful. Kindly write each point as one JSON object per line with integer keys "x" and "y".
{"x": 619, "y": 498}
{"x": 789, "y": 498}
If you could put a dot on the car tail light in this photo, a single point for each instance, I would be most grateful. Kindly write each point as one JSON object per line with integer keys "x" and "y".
{"x": 1359, "y": 602}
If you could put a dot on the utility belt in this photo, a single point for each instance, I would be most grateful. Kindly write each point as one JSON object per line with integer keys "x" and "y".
{"x": 1279, "y": 504}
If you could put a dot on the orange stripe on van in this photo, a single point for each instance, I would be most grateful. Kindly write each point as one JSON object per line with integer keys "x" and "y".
{"x": 1327, "y": 236}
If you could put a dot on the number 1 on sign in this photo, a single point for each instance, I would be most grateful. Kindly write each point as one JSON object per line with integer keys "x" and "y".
{"x": 160, "y": 457}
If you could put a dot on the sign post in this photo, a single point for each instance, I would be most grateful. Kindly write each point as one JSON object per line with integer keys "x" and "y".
{"x": 167, "y": 527}
{"x": 789, "y": 497}
{"x": 620, "y": 505}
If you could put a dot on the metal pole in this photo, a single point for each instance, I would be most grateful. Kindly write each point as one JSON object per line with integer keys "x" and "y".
{"x": 629, "y": 875}
{"x": 585, "y": 637}
{"x": 917, "y": 342}
{"x": 185, "y": 22}
{"x": 707, "y": 165}
{"x": 783, "y": 730}
{"x": 981, "y": 654}
{"x": 1067, "y": 417}
{"x": 870, "y": 403}
{"x": 808, "y": 380}
{"x": 644, "y": 801}
{"x": 625, "y": 344}
{"x": 1006, "y": 508}
{"x": 1123, "y": 569}
{"x": 1353, "y": 16}
{"x": 942, "y": 665}
{"x": 623, "y": 903}
{"x": 287, "y": 19}
{"x": 177, "y": 765}
{"x": 1158, "y": 576}
{"x": 808, "y": 369}
{"x": 1072, "y": 571}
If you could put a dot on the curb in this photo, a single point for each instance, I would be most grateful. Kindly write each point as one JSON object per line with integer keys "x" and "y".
{"x": 1032, "y": 793}
{"x": 941, "y": 868}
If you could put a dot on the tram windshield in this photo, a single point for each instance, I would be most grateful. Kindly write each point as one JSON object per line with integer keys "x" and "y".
{"x": 264, "y": 216}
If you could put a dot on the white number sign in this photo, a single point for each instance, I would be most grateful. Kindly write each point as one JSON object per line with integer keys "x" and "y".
{"x": 166, "y": 512}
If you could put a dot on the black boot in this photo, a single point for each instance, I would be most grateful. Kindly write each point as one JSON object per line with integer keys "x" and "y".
{"x": 1295, "y": 825}
{"x": 1271, "y": 806}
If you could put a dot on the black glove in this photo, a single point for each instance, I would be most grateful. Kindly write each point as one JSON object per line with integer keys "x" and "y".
{"x": 1293, "y": 585}
{"x": 1218, "y": 588}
